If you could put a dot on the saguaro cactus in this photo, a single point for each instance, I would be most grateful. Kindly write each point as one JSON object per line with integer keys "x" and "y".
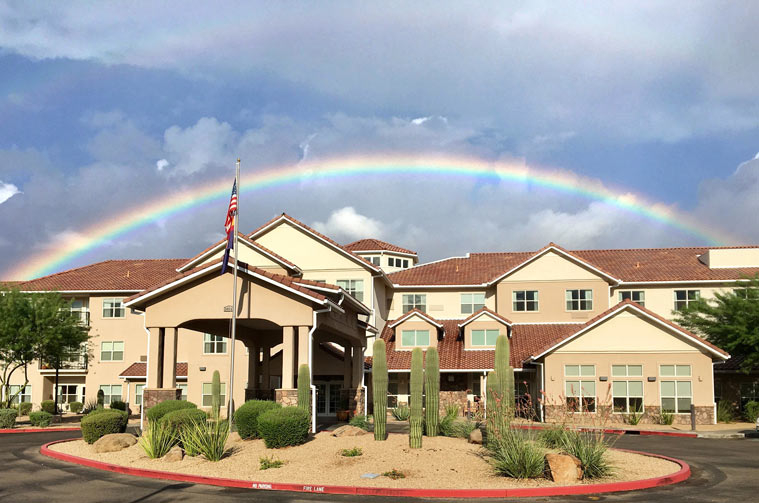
{"x": 492, "y": 406}
{"x": 432, "y": 394}
{"x": 379, "y": 389}
{"x": 304, "y": 387}
{"x": 417, "y": 386}
{"x": 101, "y": 398}
{"x": 216, "y": 394}
{"x": 504, "y": 374}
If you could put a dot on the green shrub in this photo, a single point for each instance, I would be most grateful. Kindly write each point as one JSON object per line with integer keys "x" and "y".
{"x": 205, "y": 437}
{"x": 8, "y": 418}
{"x": 24, "y": 408}
{"x": 666, "y": 418}
{"x": 452, "y": 410}
{"x": 177, "y": 420}
{"x": 590, "y": 449}
{"x": 515, "y": 456}
{"x": 156, "y": 412}
{"x": 158, "y": 439}
{"x": 752, "y": 411}
{"x": 352, "y": 453}
{"x": 360, "y": 422}
{"x": 270, "y": 462}
{"x": 119, "y": 405}
{"x": 553, "y": 436}
{"x": 456, "y": 428}
{"x": 283, "y": 427}
{"x": 633, "y": 417}
{"x": 725, "y": 412}
{"x": 394, "y": 474}
{"x": 40, "y": 418}
{"x": 89, "y": 406}
{"x": 401, "y": 413}
{"x": 48, "y": 406}
{"x": 76, "y": 407}
{"x": 102, "y": 422}
{"x": 246, "y": 417}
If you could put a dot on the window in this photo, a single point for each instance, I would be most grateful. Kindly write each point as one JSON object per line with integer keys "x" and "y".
{"x": 676, "y": 395}
{"x": 414, "y": 301}
{"x": 112, "y": 351}
{"x": 374, "y": 260}
{"x": 138, "y": 391}
{"x": 81, "y": 308}
{"x": 525, "y": 300}
{"x": 674, "y": 370}
{"x": 472, "y": 302}
{"x": 627, "y": 396}
{"x": 392, "y": 390}
{"x": 68, "y": 393}
{"x": 214, "y": 344}
{"x": 24, "y": 396}
{"x": 355, "y": 287}
{"x": 579, "y": 300}
{"x": 415, "y": 338}
{"x": 580, "y": 393}
{"x": 627, "y": 370}
{"x": 207, "y": 396}
{"x": 685, "y": 297}
{"x": 749, "y": 393}
{"x": 183, "y": 387}
{"x": 638, "y": 296}
{"x": 484, "y": 337}
{"x": 113, "y": 308}
{"x": 111, "y": 392}
{"x": 397, "y": 262}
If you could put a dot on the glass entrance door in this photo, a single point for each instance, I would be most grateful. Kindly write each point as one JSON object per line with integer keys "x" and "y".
{"x": 327, "y": 398}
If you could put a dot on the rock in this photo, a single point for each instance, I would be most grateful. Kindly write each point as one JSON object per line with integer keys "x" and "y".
{"x": 349, "y": 431}
{"x": 476, "y": 436}
{"x": 564, "y": 468}
{"x": 175, "y": 454}
{"x": 114, "y": 442}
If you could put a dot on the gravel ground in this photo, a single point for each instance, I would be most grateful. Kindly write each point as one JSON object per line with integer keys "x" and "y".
{"x": 441, "y": 463}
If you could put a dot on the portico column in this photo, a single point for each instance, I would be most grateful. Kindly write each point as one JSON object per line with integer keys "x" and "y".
{"x": 358, "y": 365}
{"x": 288, "y": 357}
{"x": 170, "y": 358}
{"x": 155, "y": 363}
{"x": 347, "y": 366}
{"x": 265, "y": 367}
{"x": 253, "y": 353}
{"x": 302, "y": 347}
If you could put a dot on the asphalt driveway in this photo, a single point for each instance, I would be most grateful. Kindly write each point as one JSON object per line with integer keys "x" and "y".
{"x": 723, "y": 470}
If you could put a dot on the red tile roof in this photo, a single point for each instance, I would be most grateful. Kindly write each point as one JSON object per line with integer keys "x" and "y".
{"x": 139, "y": 369}
{"x": 375, "y": 244}
{"x": 111, "y": 275}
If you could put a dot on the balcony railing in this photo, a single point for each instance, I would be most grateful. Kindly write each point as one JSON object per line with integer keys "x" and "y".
{"x": 73, "y": 361}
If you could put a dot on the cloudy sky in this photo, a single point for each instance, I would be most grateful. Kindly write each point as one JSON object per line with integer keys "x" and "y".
{"x": 105, "y": 107}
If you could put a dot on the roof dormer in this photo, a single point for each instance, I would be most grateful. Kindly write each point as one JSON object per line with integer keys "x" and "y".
{"x": 726, "y": 258}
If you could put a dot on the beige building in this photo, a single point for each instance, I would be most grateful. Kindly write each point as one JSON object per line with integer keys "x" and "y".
{"x": 590, "y": 330}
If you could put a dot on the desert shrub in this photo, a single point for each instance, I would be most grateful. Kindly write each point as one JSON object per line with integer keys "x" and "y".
{"x": 76, "y": 407}
{"x": 89, "y": 406}
{"x": 590, "y": 449}
{"x": 452, "y": 410}
{"x": 40, "y": 418}
{"x": 8, "y": 418}
{"x": 360, "y": 422}
{"x": 24, "y": 408}
{"x": 401, "y": 413}
{"x": 752, "y": 411}
{"x": 553, "y": 436}
{"x": 177, "y": 420}
{"x": 269, "y": 462}
{"x": 283, "y": 427}
{"x": 456, "y": 428}
{"x": 394, "y": 474}
{"x": 156, "y": 412}
{"x": 666, "y": 418}
{"x": 102, "y": 422}
{"x": 516, "y": 456}
{"x": 246, "y": 417}
{"x": 119, "y": 405}
{"x": 158, "y": 439}
{"x": 725, "y": 412}
{"x": 48, "y": 406}
{"x": 205, "y": 437}
{"x": 633, "y": 417}
{"x": 352, "y": 453}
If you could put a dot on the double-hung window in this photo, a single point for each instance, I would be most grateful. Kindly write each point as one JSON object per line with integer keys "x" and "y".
{"x": 208, "y": 394}
{"x": 579, "y": 390}
{"x": 413, "y": 338}
{"x": 112, "y": 351}
{"x": 484, "y": 337}
{"x": 627, "y": 388}
{"x": 684, "y": 297}
{"x": 579, "y": 300}
{"x": 524, "y": 300}
{"x": 414, "y": 301}
{"x": 472, "y": 302}
{"x": 637, "y": 296}
{"x": 113, "y": 308}
{"x": 111, "y": 392}
{"x": 676, "y": 388}
{"x": 355, "y": 287}
{"x": 24, "y": 393}
{"x": 138, "y": 392}
{"x": 214, "y": 344}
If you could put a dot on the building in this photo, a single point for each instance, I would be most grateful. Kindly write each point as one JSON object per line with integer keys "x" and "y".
{"x": 588, "y": 329}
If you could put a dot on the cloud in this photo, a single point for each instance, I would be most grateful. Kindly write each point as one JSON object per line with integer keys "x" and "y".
{"x": 347, "y": 225}
{"x": 7, "y": 190}
{"x": 161, "y": 164}
{"x": 205, "y": 145}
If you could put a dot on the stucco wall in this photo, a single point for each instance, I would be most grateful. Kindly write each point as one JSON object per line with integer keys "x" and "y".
{"x": 441, "y": 303}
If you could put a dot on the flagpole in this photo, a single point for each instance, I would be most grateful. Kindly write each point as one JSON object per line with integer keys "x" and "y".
{"x": 230, "y": 392}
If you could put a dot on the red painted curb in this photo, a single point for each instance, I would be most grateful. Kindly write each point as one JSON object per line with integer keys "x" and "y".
{"x": 617, "y": 431}
{"x": 668, "y": 433}
{"x": 633, "y": 485}
{"x": 38, "y": 430}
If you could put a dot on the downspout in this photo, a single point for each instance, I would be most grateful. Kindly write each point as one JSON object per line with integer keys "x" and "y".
{"x": 147, "y": 375}
{"x": 542, "y": 388}
{"x": 311, "y": 366}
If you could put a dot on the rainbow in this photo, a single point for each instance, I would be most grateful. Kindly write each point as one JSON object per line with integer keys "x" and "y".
{"x": 99, "y": 235}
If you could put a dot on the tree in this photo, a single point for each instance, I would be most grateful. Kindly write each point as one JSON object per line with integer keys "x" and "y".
{"x": 17, "y": 344}
{"x": 730, "y": 321}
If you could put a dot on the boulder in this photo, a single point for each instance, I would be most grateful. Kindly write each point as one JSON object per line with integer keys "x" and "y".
{"x": 476, "y": 436}
{"x": 564, "y": 468}
{"x": 348, "y": 431}
{"x": 175, "y": 454}
{"x": 114, "y": 442}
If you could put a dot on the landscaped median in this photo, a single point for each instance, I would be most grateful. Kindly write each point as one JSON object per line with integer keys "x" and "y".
{"x": 443, "y": 467}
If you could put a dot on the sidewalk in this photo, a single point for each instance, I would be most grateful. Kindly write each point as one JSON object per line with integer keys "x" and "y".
{"x": 719, "y": 430}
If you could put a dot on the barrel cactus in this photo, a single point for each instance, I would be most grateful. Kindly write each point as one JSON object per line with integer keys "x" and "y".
{"x": 304, "y": 387}
{"x": 432, "y": 396}
{"x": 417, "y": 387}
{"x": 379, "y": 388}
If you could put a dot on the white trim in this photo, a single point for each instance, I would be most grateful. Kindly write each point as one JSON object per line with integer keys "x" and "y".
{"x": 415, "y": 313}
{"x": 412, "y": 287}
{"x": 382, "y": 252}
{"x": 549, "y": 322}
{"x": 247, "y": 241}
{"x": 497, "y": 318}
{"x": 614, "y": 313}
{"x": 680, "y": 282}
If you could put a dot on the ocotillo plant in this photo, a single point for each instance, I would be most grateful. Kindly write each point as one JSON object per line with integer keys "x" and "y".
{"x": 304, "y": 387}
{"x": 216, "y": 394}
{"x": 379, "y": 388}
{"x": 417, "y": 386}
{"x": 432, "y": 394}
{"x": 504, "y": 374}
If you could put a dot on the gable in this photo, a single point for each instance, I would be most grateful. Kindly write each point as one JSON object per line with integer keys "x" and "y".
{"x": 629, "y": 332}
{"x": 414, "y": 322}
{"x": 248, "y": 255}
{"x": 553, "y": 267}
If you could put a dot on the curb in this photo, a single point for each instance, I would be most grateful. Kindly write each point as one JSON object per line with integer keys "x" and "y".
{"x": 38, "y": 430}
{"x": 619, "y": 431}
{"x": 633, "y": 485}
{"x": 721, "y": 435}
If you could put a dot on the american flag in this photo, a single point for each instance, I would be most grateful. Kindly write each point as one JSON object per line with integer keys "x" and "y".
{"x": 229, "y": 226}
